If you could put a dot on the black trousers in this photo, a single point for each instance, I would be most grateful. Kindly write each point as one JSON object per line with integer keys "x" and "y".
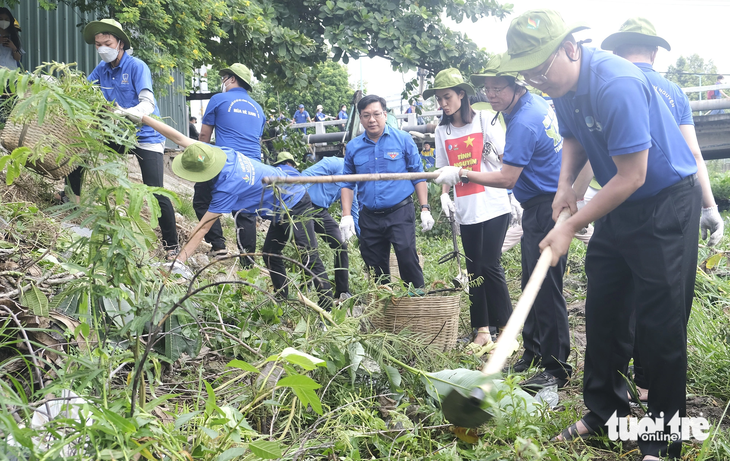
{"x": 245, "y": 223}
{"x": 641, "y": 261}
{"x": 306, "y": 241}
{"x": 397, "y": 227}
{"x": 546, "y": 333}
{"x": 490, "y": 302}
{"x": 153, "y": 171}
{"x": 326, "y": 227}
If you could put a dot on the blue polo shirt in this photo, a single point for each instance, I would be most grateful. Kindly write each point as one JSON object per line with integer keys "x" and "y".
{"x": 122, "y": 84}
{"x": 238, "y": 121}
{"x": 239, "y": 187}
{"x": 324, "y": 195}
{"x": 300, "y": 117}
{"x": 672, "y": 95}
{"x": 395, "y": 152}
{"x": 319, "y": 117}
{"x": 616, "y": 111}
{"x": 534, "y": 144}
{"x": 342, "y": 115}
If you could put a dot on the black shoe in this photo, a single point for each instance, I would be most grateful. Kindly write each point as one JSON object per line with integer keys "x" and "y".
{"x": 522, "y": 365}
{"x": 542, "y": 380}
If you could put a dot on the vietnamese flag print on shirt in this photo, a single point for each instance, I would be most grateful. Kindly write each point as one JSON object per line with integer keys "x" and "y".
{"x": 466, "y": 152}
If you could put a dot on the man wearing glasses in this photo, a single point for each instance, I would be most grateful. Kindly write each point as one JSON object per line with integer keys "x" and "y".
{"x": 530, "y": 167}
{"x": 387, "y": 215}
{"x": 643, "y": 255}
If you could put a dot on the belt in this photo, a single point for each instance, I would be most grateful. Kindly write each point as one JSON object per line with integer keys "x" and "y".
{"x": 400, "y": 204}
{"x": 538, "y": 199}
{"x": 687, "y": 180}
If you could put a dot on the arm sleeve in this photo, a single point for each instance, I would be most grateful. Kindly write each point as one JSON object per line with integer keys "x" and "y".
{"x": 563, "y": 114}
{"x": 142, "y": 79}
{"x": 146, "y": 102}
{"x": 414, "y": 164}
{"x": 686, "y": 112}
{"x": 623, "y": 108}
{"x": 522, "y": 144}
{"x": 349, "y": 167}
{"x": 442, "y": 159}
{"x": 222, "y": 202}
{"x": 209, "y": 116}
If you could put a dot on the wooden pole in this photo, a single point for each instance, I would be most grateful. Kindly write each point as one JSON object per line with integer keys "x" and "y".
{"x": 348, "y": 178}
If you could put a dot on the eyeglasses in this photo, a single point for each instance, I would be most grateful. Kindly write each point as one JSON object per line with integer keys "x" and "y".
{"x": 367, "y": 116}
{"x": 541, "y": 78}
{"x": 494, "y": 91}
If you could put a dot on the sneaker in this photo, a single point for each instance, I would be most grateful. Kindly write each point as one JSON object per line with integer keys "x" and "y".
{"x": 522, "y": 365}
{"x": 542, "y": 380}
{"x": 343, "y": 297}
{"x": 218, "y": 253}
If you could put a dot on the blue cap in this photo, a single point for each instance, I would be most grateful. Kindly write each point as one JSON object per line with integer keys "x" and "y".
{"x": 301, "y": 106}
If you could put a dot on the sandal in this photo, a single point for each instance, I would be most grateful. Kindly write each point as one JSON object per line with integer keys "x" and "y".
{"x": 171, "y": 255}
{"x": 60, "y": 197}
{"x": 571, "y": 433}
{"x": 641, "y": 396}
{"x": 477, "y": 350}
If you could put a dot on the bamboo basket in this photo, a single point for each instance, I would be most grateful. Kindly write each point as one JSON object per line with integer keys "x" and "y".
{"x": 394, "y": 271}
{"x": 54, "y": 134}
{"x": 433, "y": 319}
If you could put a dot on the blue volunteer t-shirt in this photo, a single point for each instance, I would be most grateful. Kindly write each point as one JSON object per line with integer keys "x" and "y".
{"x": 300, "y": 117}
{"x": 342, "y": 115}
{"x": 319, "y": 117}
{"x": 534, "y": 144}
{"x": 672, "y": 95}
{"x": 616, "y": 111}
{"x": 239, "y": 187}
{"x": 324, "y": 195}
{"x": 395, "y": 152}
{"x": 122, "y": 84}
{"x": 238, "y": 121}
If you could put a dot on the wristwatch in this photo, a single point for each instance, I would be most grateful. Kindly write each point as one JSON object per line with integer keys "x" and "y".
{"x": 426, "y": 206}
{"x": 464, "y": 176}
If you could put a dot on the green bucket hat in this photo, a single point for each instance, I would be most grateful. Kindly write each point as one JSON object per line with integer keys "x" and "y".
{"x": 533, "y": 36}
{"x": 106, "y": 26}
{"x": 494, "y": 70}
{"x": 635, "y": 31}
{"x": 448, "y": 78}
{"x": 239, "y": 70}
{"x": 199, "y": 162}
{"x": 285, "y": 157}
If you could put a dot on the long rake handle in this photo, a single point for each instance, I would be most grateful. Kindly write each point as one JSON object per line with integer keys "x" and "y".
{"x": 504, "y": 344}
{"x": 348, "y": 178}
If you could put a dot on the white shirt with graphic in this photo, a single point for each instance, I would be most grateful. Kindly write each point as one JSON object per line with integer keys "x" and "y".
{"x": 462, "y": 147}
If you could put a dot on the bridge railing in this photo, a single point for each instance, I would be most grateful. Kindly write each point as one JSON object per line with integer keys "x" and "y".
{"x": 409, "y": 119}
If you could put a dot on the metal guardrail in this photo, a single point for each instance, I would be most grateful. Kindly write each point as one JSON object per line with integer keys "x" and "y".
{"x": 410, "y": 119}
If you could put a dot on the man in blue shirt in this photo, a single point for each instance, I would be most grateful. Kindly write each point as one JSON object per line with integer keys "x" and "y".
{"x": 342, "y": 115}
{"x": 127, "y": 82}
{"x": 642, "y": 258}
{"x": 638, "y": 42}
{"x": 236, "y": 185}
{"x": 238, "y": 122}
{"x": 531, "y": 167}
{"x": 301, "y": 116}
{"x": 387, "y": 215}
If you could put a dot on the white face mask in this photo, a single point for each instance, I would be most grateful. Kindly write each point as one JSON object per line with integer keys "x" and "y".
{"x": 223, "y": 85}
{"x": 4, "y": 24}
{"x": 107, "y": 54}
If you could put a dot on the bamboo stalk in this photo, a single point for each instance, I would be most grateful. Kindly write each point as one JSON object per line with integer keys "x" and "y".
{"x": 348, "y": 178}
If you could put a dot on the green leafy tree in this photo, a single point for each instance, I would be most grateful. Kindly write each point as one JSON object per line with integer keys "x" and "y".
{"x": 284, "y": 40}
{"x": 692, "y": 71}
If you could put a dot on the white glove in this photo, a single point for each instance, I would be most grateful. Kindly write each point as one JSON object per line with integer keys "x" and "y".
{"x": 448, "y": 175}
{"x": 515, "y": 212}
{"x": 711, "y": 222}
{"x": 347, "y": 227}
{"x": 133, "y": 114}
{"x": 580, "y": 204}
{"x": 427, "y": 221}
{"x": 447, "y": 205}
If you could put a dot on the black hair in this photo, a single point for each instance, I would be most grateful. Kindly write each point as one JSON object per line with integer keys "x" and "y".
{"x": 239, "y": 81}
{"x": 14, "y": 34}
{"x": 720, "y": 77}
{"x": 467, "y": 113}
{"x": 369, "y": 99}
{"x": 193, "y": 118}
{"x": 479, "y": 96}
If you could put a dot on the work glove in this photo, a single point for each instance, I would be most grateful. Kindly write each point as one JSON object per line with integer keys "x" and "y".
{"x": 515, "y": 212}
{"x": 447, "y": 205}
{"x": 580, "y": 204}
{"x": 712, "y": 223}
{"x": 347, "y": 227}
{"x": 448, "y": 175}
{"x": 135, "y": 115}
{"x": 427, "y": 221}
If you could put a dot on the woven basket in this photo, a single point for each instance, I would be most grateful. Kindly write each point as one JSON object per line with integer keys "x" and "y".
{"x": 54, "y": 134}
{"x": 394, "y": 271}
{"x": 433, "y": 320}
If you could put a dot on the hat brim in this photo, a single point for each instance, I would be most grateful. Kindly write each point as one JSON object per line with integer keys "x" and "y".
{"x": 531, "y": 59}
{"x": 97, "y": 27}
{"x": 613, "y": 41}
{"x": 228, "y": 70}
{"x": 200, "y": 176}
{"x": 478, "y": 79}
{"x": 468, "y": 89}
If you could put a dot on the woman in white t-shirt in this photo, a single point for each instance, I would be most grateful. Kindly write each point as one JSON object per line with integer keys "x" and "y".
{"x": 483, "y": 213}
